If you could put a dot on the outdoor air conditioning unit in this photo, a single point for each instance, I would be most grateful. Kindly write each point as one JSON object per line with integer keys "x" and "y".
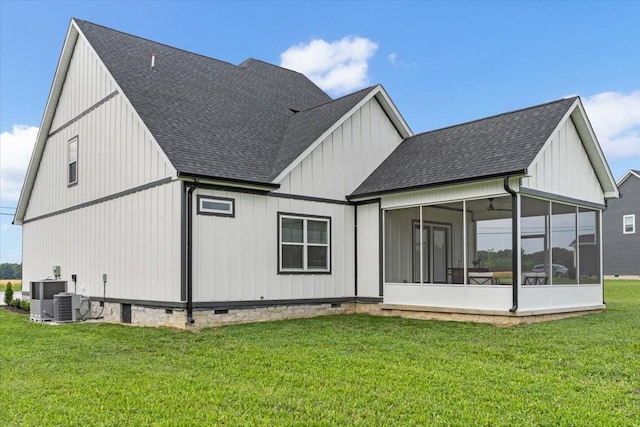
{"x": 42, "y": 298}
{"x": 66, "y": 307}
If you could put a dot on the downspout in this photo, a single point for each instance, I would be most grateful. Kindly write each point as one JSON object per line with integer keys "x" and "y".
{"x": 606, "y": 206}
{"x": 189, "y": 221}
{"x": 514, "y": 244}
{"x": 355, "y": 251}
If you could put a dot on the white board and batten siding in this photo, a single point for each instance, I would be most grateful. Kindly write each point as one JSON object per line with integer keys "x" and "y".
{"x": 125, "y": 238}
{"x": 369, "y": 250}
{"x": 451, "y": 193}
{"x": 116, "y": 153}
{"x": 345, "y": 158}
{"x": 333, "y": 170}
{"x": 562, "y": 167}
{"x": 236, "y": 258}
{"x": 87, "y": 82}
{"x": 115, "y": 150}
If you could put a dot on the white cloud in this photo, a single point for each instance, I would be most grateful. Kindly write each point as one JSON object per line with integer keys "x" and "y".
{"x": 398, "y": 63}
{"x": 393, "y": 58}
{"x": 615, "y": 118}
{"x": 15, "y": 151}
{"x": 338, "y": 67}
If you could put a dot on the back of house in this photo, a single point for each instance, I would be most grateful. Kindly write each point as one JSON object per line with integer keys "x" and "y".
{"x": 164, "y": 182}
{"x": 169, "y": 188}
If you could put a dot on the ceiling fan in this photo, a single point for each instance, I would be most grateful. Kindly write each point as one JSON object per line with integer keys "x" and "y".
{"x": 490, "y": 207}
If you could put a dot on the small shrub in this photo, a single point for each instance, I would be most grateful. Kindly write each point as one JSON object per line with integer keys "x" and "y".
{"x": 24, "y": 304}
{"x": 8, "y": 294}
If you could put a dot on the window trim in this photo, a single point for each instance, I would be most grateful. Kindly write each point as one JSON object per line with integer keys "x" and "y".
{"x": 216, "y": 212}
{"x": 305, "y": 218}
{"x": 633, "y": 224}
{"x": 69, "y": 162}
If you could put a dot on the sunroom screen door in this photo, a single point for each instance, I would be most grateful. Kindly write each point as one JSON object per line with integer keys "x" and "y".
{"x": 435, "y": 253}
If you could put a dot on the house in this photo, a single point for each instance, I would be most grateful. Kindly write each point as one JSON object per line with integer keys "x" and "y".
{"x": 620, "y": 223}
{"x": 176, "y": 189}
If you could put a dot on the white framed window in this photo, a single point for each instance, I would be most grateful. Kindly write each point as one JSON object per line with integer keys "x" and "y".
{"x": 304, "y": 244}
{"x": 72, "y": 156}
{"x": 218, "y": 206}
{"x": 629, "y": 224}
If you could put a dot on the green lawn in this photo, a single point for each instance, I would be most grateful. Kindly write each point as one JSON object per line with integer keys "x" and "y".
{"x": 340, "y": 370}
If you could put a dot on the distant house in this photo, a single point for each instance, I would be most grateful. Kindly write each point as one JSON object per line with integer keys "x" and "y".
{"x": 621, "y": 222}
{"x": 174, "y": 189}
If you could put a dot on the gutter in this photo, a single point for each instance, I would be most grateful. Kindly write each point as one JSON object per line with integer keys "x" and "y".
{"x": 514, "y": 244}
{"x": 377, "y": 193}
{"x": 213, "y": 180}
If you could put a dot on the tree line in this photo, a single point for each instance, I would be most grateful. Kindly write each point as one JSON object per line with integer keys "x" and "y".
{"x": 501, "y": 260}
{"x": 10, "y": 271}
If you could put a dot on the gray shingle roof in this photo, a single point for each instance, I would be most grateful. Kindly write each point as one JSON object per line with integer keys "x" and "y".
{"x": 495, "y": 146}
{"x": 308, "y": 125}
{"x": 212, "y": 118}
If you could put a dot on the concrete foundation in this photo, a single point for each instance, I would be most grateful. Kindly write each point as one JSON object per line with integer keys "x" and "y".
{"x": 177, "y": 318}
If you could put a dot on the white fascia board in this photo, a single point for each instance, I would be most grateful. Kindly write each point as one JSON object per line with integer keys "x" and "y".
{"x": 393, "y": 113}
{"x": 594, "y": 151}
{"x": 390, "y": 109}
{"x": 591, "y": 146}
{"x": 627, "y": 175}
{"x": 47, "y": 118}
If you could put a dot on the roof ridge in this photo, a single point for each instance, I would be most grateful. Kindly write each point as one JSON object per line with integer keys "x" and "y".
{"x": 154, "y": 42}
{"x": 338, "y": 99}
{"x": 270, "y": 64}
{"x": 498, "y": 115}
{"x": 294, "y": 121}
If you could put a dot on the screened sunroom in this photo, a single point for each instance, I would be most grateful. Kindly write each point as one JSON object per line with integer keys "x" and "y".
{"x": 498, "y": 216}
{"x": 461, "y": 254}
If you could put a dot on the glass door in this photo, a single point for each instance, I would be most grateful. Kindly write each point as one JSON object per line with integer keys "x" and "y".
{"x": 440, "y": 251}
{"x": 433, "y": 256}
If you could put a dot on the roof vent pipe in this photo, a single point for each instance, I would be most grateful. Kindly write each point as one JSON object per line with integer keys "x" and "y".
{"x": 153, "y": 61}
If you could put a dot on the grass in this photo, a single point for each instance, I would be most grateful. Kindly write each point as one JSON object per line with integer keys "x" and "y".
{"x": 16, "y": 284}
{"x": 339, "y": 370}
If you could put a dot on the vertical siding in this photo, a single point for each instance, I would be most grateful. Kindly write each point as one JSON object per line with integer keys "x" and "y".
{"x": 115, "y": 152}
{"x": 622, "y": 251}
{"x": 346, "y": 157}
{"x": 86, "y": 83}
{"x": 447, "y": 194}
{"x": 236, "y": 259}
{"x": 368, "y": 250}
{"x": 135, "y": 239}
{"x": 563, "y": 168}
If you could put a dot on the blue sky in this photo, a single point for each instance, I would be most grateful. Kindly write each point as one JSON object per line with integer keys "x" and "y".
{"x": 441, "y": 62}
